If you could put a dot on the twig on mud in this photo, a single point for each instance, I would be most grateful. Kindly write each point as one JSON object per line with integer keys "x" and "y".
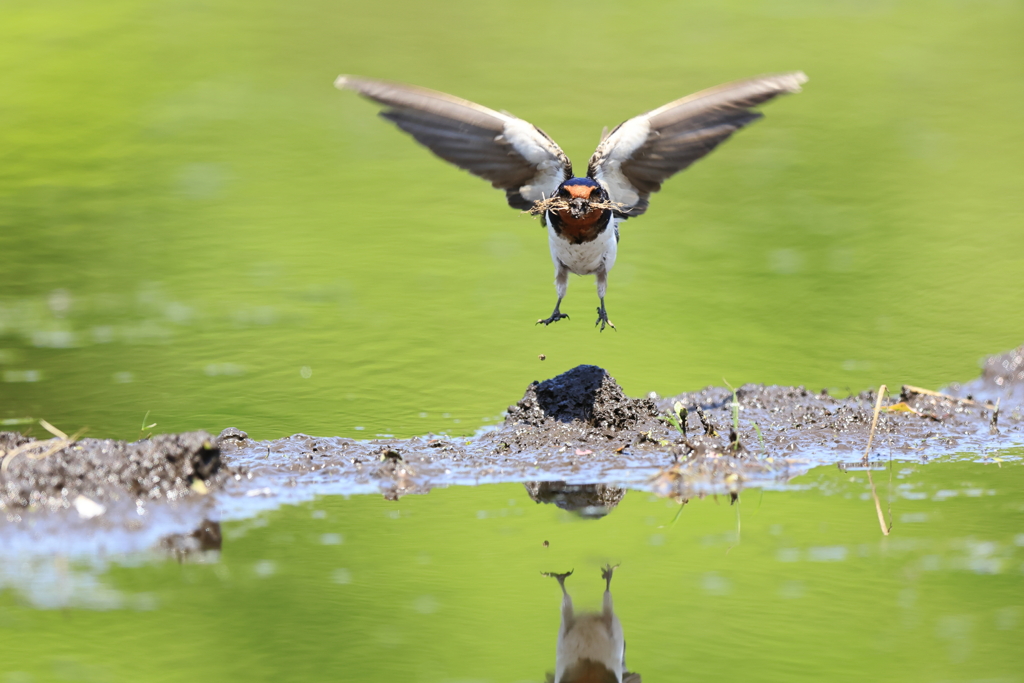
{"x": 53, "y": 430}
{"x": 49, "y": 447}
{"x": 908, "y": 389}
{"x": 874, "y": 423}
{"x": 867, "y": 452}
{"x": 560, "y": 204}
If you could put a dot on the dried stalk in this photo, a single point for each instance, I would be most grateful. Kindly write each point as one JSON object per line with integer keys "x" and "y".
{"x": 874, "y": 421}
{"x": 908, "y": 389}
{"x": 46, "y": 448}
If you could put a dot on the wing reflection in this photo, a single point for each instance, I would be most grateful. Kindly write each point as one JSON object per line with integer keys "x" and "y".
{"x": 591, "y": 646}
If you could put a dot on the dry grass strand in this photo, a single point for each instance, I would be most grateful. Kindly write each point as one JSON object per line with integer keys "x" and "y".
{"x": 560, "y": 204}
{"x": 45, "y": 448}
{"x": 874, "y": 420}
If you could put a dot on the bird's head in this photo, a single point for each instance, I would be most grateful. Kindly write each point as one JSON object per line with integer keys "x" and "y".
{"x": 579, "y": 193}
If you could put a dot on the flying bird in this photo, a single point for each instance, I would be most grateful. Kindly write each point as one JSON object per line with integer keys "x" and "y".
{"x": 582, "y": 215}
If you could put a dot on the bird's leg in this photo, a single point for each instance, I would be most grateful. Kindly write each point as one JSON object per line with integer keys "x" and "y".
{"x": 606, "y": 574}
{"x": 567, "y": 613}
{"x": 602, "y": 287}
{"x": 555, "y": 316}
{"x": 561, "y": 286}
{"x": 602, "y": 317}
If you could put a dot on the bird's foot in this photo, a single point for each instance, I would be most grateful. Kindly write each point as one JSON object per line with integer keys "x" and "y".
{"x": 561, "y": 577}
{"x": 602, "y": 319}
{"x": 554, "y": 318}
{"x": 606, "y": 574}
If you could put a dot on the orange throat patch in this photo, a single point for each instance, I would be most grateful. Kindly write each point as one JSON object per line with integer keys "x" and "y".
{"x": 580, "y": 229}
{"x": 580, "y": 191}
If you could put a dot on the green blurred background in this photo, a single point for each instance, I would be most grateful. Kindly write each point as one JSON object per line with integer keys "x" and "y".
{"x": 195, "y": 225}
{"x": 190, "y": 213}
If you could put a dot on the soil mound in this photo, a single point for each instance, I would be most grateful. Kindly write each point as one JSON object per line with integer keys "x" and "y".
{"x": 586, "y": 394}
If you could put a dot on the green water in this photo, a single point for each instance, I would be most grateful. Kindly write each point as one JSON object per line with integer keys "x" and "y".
{"x": 190, "y": 213}
{"x": 795, "y": 586}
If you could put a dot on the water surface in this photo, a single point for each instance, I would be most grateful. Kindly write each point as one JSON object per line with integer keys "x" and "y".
{"x": 785, "y": 585}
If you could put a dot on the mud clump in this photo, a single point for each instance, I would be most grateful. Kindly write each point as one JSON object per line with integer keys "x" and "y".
{"x": 585, "y": 394}
{"x": 165, "y": 467}
{"x": 581, "y": 409}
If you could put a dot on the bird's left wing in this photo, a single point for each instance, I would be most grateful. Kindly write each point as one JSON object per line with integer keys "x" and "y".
{"x": 640, "y": 154}
{"x": 513, "y": 154}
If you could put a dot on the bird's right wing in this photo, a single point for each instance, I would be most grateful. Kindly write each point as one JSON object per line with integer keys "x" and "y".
{"x": 513, "y": 154}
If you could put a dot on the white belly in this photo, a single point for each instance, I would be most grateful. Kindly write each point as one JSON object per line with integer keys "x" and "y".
{"x": 593, "y": 638}
{"x": 587, "y": 258}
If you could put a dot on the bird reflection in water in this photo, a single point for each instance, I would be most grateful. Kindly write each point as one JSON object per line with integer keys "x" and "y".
{"x": 591, "y": 646}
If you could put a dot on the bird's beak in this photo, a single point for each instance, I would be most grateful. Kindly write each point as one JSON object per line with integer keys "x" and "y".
{"x": 579, "y": 207}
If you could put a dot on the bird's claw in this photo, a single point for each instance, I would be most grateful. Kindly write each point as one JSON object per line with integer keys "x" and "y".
{"x": 560, "y": 576}
{"x": 602, "y": 319}
{"x": 555, "y": 317}
{"x": 606, "y": 574}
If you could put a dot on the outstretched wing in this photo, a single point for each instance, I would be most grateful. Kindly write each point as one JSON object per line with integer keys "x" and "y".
{"x": 641, "y": 153}
{"x": 513, "y": 154}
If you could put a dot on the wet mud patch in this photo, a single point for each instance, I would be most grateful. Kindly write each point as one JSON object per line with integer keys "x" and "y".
{"x": 575, "y": 440}
{"x": 62, "y": 496}
{"x": 89, "y": 474}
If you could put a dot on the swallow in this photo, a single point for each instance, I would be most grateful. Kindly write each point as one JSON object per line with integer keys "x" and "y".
{"x": 582, "y": 215}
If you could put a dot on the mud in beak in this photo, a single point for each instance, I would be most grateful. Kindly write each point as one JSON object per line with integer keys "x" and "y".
{"x": 579, "y": 207}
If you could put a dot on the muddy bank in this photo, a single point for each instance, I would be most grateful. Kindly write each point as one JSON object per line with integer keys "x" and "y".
{"x": 565, "y": 433}
{"x": 580, "y": 428}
